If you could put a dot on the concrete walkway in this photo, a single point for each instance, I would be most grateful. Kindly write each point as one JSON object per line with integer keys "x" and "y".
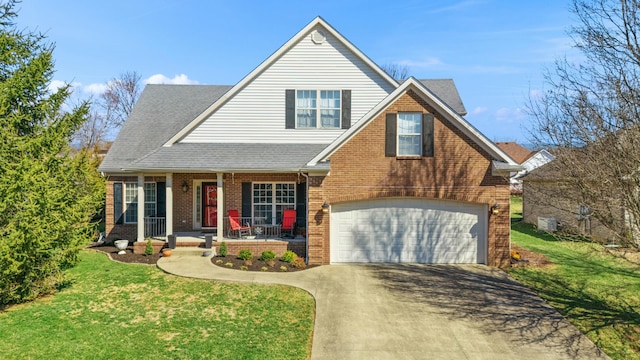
{"x": 408, "y": 311}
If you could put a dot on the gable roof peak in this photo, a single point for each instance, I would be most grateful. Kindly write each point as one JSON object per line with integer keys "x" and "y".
{"x": 317, "y": 21}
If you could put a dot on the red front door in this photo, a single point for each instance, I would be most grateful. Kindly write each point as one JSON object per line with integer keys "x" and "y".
{"x": 210, "y": 204}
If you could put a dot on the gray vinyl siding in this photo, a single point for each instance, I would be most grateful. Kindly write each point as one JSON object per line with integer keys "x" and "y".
{"x": 257, "y": 112}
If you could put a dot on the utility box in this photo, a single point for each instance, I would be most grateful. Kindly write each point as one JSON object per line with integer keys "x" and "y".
{"x": 547, "y": 224}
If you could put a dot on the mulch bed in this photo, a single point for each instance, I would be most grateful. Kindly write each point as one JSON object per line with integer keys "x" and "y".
{"x": 132, "y": 258}
{"x": 530, "y": 258}
{"x": 257, "y": 265}
{"x": 129, "y": 257}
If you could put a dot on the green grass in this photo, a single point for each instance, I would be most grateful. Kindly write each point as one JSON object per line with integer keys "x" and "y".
{"x": 516, "y": 208}
{"x": 111, "y": 310}
{"x": 598, "y": 292}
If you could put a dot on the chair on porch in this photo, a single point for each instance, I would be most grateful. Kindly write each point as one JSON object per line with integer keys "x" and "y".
{"x": 236, "y": 225}
{"x": 288, "y": 221}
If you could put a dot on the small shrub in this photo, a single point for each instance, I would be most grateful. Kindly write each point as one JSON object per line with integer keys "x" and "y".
{"x": 245, "y": 254}
{"x": 148, "y": 250}
{"x": 298, "y": 263}
{"x": 228, "y": 265}
{"x": 223, "y": 249}
{"x": 283, "y": 268}
{"x": 288, "y": 256}
{"x": 264, "y": 268}
{"x": 268, "y": 255}
{"x": 244, "y": 267}
{"x": 219, "y": 261}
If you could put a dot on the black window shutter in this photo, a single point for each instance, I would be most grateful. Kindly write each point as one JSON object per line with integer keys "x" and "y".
{"x": 117, "y": 203}
{"x": 301, "y": 205}
{"x": 247, "y": 192}
{"x": 346, "y": 109}
{"x": 390, "y": 136}
{"x": 161, "y": 199}
{"x": 290, "y": 111}
{"x": 427, "y": 135}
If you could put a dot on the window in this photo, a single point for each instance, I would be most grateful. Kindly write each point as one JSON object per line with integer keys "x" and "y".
{"x": 131, "y": 201}
{"x": 409, "y": 134}
{"x": 308, "y": 108}
{"x": 270, "y": 199}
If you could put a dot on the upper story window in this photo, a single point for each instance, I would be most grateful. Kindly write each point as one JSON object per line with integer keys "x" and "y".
{"x": 318, "y": 109}
{"x": 409, "y": 134}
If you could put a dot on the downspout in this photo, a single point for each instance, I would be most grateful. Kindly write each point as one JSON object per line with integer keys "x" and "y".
{"x": 307, "y": 219}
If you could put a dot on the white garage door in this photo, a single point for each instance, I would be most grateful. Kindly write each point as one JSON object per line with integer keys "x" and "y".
{"x": 409, "y": 230}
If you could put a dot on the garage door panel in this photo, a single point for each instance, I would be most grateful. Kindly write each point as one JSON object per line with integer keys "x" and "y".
{"x": 408, "y": 230}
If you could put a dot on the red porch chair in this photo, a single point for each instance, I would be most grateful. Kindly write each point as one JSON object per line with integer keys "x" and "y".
{"x": 236, "y": 225}
{"x": 288, "y": 221}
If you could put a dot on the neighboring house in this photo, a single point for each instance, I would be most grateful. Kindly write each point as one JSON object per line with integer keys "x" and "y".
{"x": 529, "y": 160}
{"x": 377, "y": 171}
{"x": 549, "y": 202}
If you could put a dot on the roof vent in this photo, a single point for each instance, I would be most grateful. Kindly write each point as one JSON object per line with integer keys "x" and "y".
{"x": 318, "y": 37}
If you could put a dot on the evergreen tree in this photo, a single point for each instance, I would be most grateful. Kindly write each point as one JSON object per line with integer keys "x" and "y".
{"x": 48, "y": 192}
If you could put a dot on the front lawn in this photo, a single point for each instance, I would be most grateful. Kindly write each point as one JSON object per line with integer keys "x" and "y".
{"x": 598, "y": 292}
{"x": 110, "y": 310}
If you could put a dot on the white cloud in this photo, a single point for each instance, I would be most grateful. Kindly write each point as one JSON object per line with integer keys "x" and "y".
{"x": 479, "y": 110}
{"x": 95, "y": 88}
{"x": 424, "y": 63}
{"x": 181, "y": 79}
{"x": 57, "y": 84}
{"x": 536, "y": 94}
{"x": 510, "y": 115}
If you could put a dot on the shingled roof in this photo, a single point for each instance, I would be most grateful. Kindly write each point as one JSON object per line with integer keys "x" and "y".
{"x": 163, "y": 110}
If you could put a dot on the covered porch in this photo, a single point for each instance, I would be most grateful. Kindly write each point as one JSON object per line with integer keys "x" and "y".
{"x": 192, "y": 207}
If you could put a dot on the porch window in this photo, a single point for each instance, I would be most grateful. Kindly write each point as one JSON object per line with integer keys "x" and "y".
{"x": 131, "y": 201}
{"x": 271, "y": 199}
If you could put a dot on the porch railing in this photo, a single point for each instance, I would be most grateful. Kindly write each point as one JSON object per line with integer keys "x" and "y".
{"x": 155, "y": 226}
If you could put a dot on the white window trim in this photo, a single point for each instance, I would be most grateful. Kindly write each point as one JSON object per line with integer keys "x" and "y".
{"x": 274, "y": 204}
{"x": 398, "y": 134}
{"x": 125, "y": 203}
{"x": 318, "y": 109}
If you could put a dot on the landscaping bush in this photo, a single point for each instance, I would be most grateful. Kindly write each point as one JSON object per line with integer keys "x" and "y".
{"x": 223, "y": 249}
{"x": 298, "y": 263}
{"x": 245, "y": 254}
{"x": 268, "y": 255}
{"x": 148, "y": 250}
{"x": 289, "y": 256}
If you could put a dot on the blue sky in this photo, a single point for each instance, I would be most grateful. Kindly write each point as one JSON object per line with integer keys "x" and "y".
{"x": 496, "y": 51}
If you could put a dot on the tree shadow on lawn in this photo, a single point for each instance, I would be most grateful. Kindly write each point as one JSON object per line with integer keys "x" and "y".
{"x": 493, "y": 301}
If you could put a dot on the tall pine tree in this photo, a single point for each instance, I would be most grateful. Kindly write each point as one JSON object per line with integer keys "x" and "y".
{"x": 49, "y": 192}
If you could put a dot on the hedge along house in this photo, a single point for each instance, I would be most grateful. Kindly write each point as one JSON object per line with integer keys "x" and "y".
{"x": 377, "y": 170}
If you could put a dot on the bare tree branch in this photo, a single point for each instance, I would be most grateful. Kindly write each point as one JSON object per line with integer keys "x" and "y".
{"x": 591, "y": 113}
{"x": 398, "y": 72}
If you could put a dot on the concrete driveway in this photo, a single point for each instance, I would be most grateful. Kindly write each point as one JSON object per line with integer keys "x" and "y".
{"x": 417, "y": 312}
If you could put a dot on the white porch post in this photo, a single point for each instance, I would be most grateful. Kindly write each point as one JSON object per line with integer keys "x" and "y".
{"x": 169, "y": 204}
{"x": 140, "y": 207}
{"x": 220, "y": 207}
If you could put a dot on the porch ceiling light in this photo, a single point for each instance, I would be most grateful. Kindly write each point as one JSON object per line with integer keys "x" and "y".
{"x": 495, "y": 209}
{"x": 325, "y": 208}
{"x": 185, "y": 186}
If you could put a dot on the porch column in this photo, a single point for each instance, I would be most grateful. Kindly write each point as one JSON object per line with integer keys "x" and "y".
{"x": 169, "y": 204}
{"x": 220, "y": 207}
{"x": 140, "y": 207}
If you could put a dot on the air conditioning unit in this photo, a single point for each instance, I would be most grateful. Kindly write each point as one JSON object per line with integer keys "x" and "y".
{"x": 547, "y": 224}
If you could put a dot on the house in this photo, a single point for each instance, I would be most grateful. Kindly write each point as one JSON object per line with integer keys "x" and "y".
{"x": 377, "y": 171}
{"x": 529, "y": 160}
{"x": 553, "y": 200}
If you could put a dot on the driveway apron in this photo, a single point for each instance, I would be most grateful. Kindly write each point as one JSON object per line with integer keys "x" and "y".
{"x": 410, "y": 311}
